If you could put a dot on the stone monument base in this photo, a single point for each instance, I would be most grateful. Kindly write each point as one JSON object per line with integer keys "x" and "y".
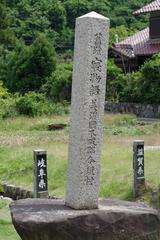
{"x": 46, "y": 219}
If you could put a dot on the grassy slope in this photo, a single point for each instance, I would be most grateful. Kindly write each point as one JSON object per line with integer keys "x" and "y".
{"x": 20, "y": 136}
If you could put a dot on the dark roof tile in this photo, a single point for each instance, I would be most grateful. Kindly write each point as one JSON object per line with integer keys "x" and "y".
{"x": 138, "y": 45}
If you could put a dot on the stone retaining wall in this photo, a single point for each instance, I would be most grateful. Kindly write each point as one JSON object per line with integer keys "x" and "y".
{"x": 140, "y": 110}
{"x": 17, "y": 193}
{"x": 14, "y": 192}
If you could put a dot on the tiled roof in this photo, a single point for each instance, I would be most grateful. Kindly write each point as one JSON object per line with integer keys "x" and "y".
{"x": 138, "y": 45}
{"x": 152, "y": 7}
{"x": 137, "y": 38}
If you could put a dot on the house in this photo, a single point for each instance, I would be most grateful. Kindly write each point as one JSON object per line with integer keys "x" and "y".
{"x": 133, "y": 51}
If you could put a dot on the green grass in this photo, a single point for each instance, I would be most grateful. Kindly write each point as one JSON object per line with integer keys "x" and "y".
{"x": 20, "y": 136}
{"x": 7, "y": 231}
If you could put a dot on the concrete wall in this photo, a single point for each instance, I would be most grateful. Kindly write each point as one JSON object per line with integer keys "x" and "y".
{"x": 140, "y": 110}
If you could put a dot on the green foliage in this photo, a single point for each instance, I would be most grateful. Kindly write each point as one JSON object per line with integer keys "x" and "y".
{"x": 2, "y": 204}
{"x": 149, "y": 83}
{"x": 8, "y": 107}
{"x": 21, "y": 135}
{"x": 41, "y": 26}
{"x": 16, "y": 63}
{"x": 7, "y": 230}
{"x": 74, "y": 9}
{"x": 3, "y": 63}
{"x": 3, "y": 91}
{"x": 31, "y": 104}
{"x": 34, "y": 17}
{"x": 35, "y": 104}
{"x": 121, "y": 14}
{"x": 29, "y": 67}
{"x": 115, "y": 82}
{"x": 102, "y": 7}
{"x": 6, "y": 33}
{"x": 58, "y": 86}
{"x": 124, "y": 120}
{"x": 56, "y": 15}
{"x": 132, "y": 92}
{"x": 119, "y": 33}
{"x": 143, "y": 86}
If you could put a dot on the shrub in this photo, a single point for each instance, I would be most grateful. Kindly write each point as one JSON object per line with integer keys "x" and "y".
{"x": 8, "y": 107}
{"x": 144, "y": 85}
{"x": 3, "y": 91}
{"x": 132, "y": 89}
{"x": 31, "y": 104}
{"x": 36, "y": 104}
{"x": 150, "y": 81}
{"x": 115, "y": 82}
{"x": 28, "y": 67}
{"x": 58, "y": 86}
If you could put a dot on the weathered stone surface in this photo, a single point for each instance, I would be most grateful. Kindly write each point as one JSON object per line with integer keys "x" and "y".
{"x": 15, "y": 192}
{"x": 87, "y": 111}
{"x": 40, "y": 219}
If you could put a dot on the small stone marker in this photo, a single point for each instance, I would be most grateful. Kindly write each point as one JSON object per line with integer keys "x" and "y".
{"x": 138, "y": 167}
{"x": 40, "y": 174}
{"x": 87, "y": 111}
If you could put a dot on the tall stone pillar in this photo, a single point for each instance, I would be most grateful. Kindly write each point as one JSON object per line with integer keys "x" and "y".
{"x": 87, "y": 111}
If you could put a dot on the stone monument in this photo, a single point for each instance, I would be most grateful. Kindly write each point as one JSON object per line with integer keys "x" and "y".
{"x": 138, "y": 167}
{"x": 87, "y": 110}
{"x": 52, "y": 219}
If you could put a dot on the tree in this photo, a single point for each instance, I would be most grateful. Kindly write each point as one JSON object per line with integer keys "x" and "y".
{"x": 115, "y": 82}
{"x": 30, "y": 66}
{"x": 101, "y": 7}
{"x": 119, "y": 33}
{"x": 149, "y": 83}
{"x": 6, "y": 33}
{"x": 144, "y": 85}
{"x": 75, "y": 9}
{"x": 56, "y": 16}
{"x": 58, "y": 86}
{"x": 34, "y": 17}
{"x": 131, "y": 91}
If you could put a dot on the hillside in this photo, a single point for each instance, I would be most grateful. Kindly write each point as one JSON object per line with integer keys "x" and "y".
{"x": 36, "y": 50}
{"x": 57, "y": 18}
